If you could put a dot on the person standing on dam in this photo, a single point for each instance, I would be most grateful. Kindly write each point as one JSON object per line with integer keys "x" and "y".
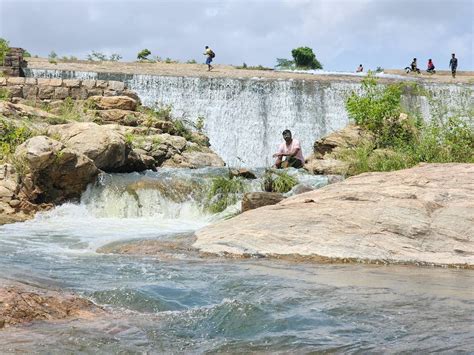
{"x": 289, "y": 153}
{"x": 210, "y": 56}
{"x": 453, "y": 64}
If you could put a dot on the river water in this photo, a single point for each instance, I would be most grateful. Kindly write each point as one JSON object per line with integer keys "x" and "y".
{"x": 179, "y": 302}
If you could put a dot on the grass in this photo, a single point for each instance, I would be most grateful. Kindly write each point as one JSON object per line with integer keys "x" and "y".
{"x": 11, "y": 136}
{"x": 278, "y": 181}
{"x": 401, "y": 143}
{"x": 223, "y": 192}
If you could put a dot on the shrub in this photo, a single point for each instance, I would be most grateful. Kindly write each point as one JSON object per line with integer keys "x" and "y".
{"x": 283, "y": 63}
{"x": 115, "y": 57}
{"x": 305, "y": 58}
{"x": 278, "y": 181}
{"x": 4, "y": 94}
{"x": 403, "y": 142}
{"x": 143, "y": 54}
{"x": 4, "y": 48}
{"x": 223, "y": 192}
{"x": 11, "y": 136}
{"x": 191, "y": 61}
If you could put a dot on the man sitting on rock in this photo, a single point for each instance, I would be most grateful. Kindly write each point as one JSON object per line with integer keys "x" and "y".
{"x": 289, "y": 153}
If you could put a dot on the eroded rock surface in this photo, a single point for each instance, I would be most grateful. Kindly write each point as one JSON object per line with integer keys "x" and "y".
{"x": 418, "y": 215}
{"x": 23, "y": 304}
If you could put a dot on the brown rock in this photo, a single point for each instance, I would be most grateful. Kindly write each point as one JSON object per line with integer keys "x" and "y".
{"x": 16, "y": 81}
{"x": 116, "y": 85}
{"x": 30, "y": 92}
{"x": 114, "y": 102}
{"x": 72, "y": 83}
{"x": 78, "y": 93}
{"x": 244, "y": 173}
{"x": 89, "y": 84}
{"x": 61, "y": 93}
{"x": 15, "y": 91}
{"x": 23, "y": 304}
{"x": 421, "y": 215}
{"x": 350, "y": 136}
{"x": 45, "y": 92}
{"x": 326, "y": 166}
{"x": 50, "y": 82}
{"x": 253, "y": 200}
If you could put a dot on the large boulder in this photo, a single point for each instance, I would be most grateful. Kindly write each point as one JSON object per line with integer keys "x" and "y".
{"x": 421, "y": 215}
{"x": 105, "y": 145}
{"x": 326, "y": 166}
{"x": 348, "y": 137}
{"x": 9, "y": 109}
{"x": 113, "y": 102}
{"x": 55, "y": 173}
{"x": 195, "y": 160}
{"x": 253, "y": 200}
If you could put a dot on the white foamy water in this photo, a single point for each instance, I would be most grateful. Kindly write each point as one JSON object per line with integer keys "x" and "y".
{"x": 244, "y": 118}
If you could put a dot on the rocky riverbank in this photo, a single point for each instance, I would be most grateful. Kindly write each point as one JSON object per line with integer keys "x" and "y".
{"x": 52, "y": 149}
{"x": 421, "y": 215}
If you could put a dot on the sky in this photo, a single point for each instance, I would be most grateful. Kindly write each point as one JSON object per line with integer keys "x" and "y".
{"x": 342, "y": 33}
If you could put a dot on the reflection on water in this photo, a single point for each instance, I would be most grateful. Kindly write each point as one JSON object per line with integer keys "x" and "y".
{"x": 194, "y": 305}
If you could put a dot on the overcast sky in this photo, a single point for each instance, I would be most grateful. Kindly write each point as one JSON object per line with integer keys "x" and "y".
{"x": 343, "y": 34}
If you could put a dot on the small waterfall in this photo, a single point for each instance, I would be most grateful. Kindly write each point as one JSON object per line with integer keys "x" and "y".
{"x": 244, "y": 117}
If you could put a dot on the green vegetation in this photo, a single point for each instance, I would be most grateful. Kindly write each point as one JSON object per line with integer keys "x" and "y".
{"x": 258, "y": 67}
{"x": 278, "y": 181}
{"x": 52, "y": 57}
{"x": 399, "y": 140}
{"x": 191, "y": 61}
{"x": 200, "y": 123}
{"x": 224, "y": 192}
{"x": 11, "y": 136}
{"x": 4, "y": 48}
{"x": 101, "y": 57}
{"x": 26, "y": 54}
{"x": 303, "y": 58}
{"x": 143, "y": 54}
{"x": 4, "y": 94}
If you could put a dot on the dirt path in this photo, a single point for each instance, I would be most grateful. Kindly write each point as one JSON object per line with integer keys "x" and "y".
{"x": 200, "y": 70}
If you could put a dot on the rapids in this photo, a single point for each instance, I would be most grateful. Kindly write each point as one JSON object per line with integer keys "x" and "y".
{"x": 180, "y": 302}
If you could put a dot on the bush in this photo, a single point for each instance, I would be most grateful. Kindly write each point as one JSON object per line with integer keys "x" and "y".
{"x": 283, "y": 63}
{"x": 143, "y": 54}
{"x": 305, "y": 58}
{"x": 4, "y": 48}
{"x": 278, "y": 181}
{"x": 11, "y": 136}
{"x": 223, "y": 193}
{"x": 401, "y": 142}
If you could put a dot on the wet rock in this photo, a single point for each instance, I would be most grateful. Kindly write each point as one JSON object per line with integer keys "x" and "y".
{"x": 56, "y": 173}
{"x": 421, "y": 215}
{"x": 253, "y": 200}
{"x": 24, "y": 304}
{"x": 244, "y": 173}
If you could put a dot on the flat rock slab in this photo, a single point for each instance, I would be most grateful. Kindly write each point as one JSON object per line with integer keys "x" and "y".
{"x": 422, "y": 215}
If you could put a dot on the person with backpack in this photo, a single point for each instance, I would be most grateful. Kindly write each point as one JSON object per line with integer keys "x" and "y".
{"x": 210, "y": 56}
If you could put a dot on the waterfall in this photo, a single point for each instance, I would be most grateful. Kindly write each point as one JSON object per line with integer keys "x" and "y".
{"x": 244, "y": 117}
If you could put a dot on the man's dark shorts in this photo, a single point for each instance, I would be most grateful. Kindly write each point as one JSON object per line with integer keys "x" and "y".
{"x": 292, "y": 162}
{"x": 208, "y": 60}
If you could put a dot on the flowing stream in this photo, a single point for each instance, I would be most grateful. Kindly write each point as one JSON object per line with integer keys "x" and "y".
{"x": 179, "y": 302}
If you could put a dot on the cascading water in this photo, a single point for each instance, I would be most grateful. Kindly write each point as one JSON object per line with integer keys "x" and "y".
{"x": 244, "y": 118}
{"x": 178, "y": 302}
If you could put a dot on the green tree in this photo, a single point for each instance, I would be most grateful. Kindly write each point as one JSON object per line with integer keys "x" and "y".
{"x": 143, "y": 54}
{"x": 305, "y": 58}
{"x": 4, "y": 47}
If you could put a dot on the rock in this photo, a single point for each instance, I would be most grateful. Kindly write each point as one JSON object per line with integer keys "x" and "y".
{"x": 103, "y": 144}
{"x": 421, "y": 215}
{"x": 23, "y": 304}
{"x": 252, "y": 200}
{"x": 9, "y": 109}
{"x": 123, "y": 117}
{"x": 114, "y": 102}
{"x": 326, "y": 166}
{"x": 194, "y": 160}
{"x": 244, "y": 173}
{"x": 57, "y": 173}
{"x": 350, "y": 136}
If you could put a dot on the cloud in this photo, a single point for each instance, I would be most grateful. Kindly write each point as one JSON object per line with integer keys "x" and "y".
{"x": 343, "y": 33}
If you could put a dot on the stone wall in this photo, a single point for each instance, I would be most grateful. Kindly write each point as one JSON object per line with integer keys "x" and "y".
{"x": 59, "y": 89}
{"x": 13, "y": 62}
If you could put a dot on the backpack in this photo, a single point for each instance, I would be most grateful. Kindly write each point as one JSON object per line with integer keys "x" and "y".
{"x": 212, "y": 54}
